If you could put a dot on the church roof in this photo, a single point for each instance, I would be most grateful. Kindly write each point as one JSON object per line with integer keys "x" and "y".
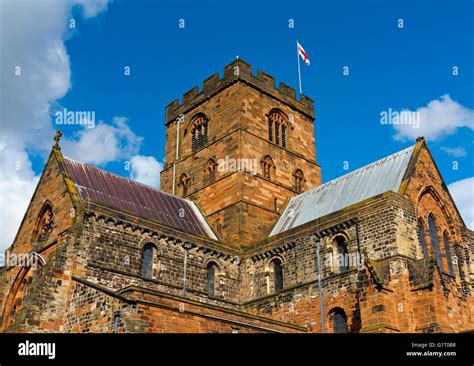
{"x": 130, "y": 196}
{"x": 373, "y": 179}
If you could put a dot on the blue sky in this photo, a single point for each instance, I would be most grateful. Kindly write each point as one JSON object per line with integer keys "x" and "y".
{"x": 388, "y": 67}
{"x": 82, "y": 68}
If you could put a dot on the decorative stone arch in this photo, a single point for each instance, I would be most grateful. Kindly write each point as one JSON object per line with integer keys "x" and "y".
{"x": 268, "y": 167}
{"x": 184, "y": 183}
{"x": 211, "y": 169}
{"x": 16, "y": 294}
{"x": 443, "y": 223}
{"x": 44, "y": 223}
{"x": 152, "y": 240}
{"x": 442, "y": 205}
{"x": 221, "y": 271}
{"x": 188, "y": 125}
{"x": 271, "y": 259}
{"x": 342, "y": 233}
{"x": 210, "y": 260}
{"x": 280, "y": 112}
{"x": 299, "y": 180}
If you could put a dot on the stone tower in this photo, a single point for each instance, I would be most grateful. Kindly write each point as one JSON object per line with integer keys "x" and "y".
{"x": 240, "y": 148}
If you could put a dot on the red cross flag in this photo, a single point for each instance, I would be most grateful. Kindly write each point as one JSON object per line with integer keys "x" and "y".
{"x": 302, "y": 53}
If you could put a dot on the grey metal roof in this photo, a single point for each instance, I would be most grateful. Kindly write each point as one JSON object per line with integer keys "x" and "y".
{"x": 373, "y": 179}
{"x": 128, "y": 195}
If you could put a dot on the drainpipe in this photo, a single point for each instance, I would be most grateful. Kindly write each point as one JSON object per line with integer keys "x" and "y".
{"x": 178, "y": 122}
{"x": 186, "y": 247}
{"x": 174, "y": 177}
{"x": 321, "y": 306}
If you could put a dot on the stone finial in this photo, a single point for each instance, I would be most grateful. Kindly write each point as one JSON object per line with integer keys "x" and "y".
{"x": 57, "y": 137}
{"x": 421, "y": 138}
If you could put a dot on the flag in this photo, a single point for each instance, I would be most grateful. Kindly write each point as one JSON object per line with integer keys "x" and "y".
{"x": 302, "y": 53}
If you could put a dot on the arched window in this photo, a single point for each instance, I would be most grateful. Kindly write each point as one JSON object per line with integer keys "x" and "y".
{"x": 19, "y": 290}
{"x": 447, "y": 248}
{"x": 147, "y": 260}
{"x": 422, "y": 238}
{"x": 211, "y": 168}
{"x": 199, "y": 132}
{"x": 342, "y": 254}
{"x": 298, "y": 180}
{"x": 434, "y": 240}
{"x": 339, "y": 320}
{"x": 277, "y": 274}
{"x": 211, "y": 279}
{"x": 44, "y": 224}
{"x": 277, "y": 123}
{"x": 184, "y": 181}
{"x": 267, "y": 167}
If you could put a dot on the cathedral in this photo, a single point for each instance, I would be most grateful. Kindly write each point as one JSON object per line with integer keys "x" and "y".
{"x": 242, "y": 236}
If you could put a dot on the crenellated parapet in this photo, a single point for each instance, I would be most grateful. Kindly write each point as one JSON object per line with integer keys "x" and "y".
{"x": 239, "y": 71}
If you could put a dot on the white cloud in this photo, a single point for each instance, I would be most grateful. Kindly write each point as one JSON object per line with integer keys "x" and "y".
{"x": 31, "y": 41}
{"x": 17, "y": 184}
{"x": 439, "y": 118}
{"x": 90, "y": 8}
{"x": 462, "y": 192}
{"x": 146, "y": 170}
{"x": 103, "y": 143}
{"x": 457, "y": 152}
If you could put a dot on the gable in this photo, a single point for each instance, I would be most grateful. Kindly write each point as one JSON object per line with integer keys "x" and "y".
{"x": 425, "y": 187}
{"x": 51, "y": 190}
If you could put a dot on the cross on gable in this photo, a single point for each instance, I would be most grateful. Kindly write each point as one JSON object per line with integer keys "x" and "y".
{"x": 57, "y": 137}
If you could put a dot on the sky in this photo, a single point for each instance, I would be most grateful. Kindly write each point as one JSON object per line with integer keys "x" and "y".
{"x": 126, "y": 60}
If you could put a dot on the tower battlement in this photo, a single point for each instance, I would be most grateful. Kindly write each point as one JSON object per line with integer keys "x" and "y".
{"x": 239, "y": 71}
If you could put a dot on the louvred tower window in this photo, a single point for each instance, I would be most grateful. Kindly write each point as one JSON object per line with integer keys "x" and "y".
{"x": 199, "y": 131}
{"x": 277, "y": 127}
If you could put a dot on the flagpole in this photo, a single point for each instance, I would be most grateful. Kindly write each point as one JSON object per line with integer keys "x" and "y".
{"x": 299, "y": 70}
